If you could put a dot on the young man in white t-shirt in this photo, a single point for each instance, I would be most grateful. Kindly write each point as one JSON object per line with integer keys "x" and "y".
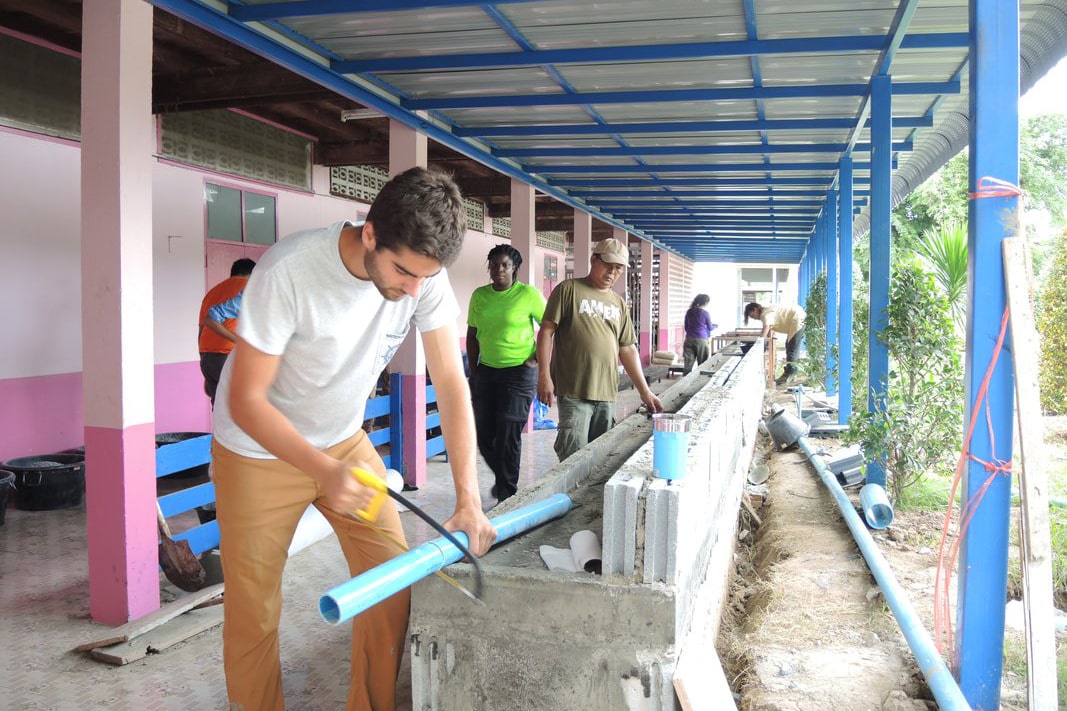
{"x": 322, "y": 315}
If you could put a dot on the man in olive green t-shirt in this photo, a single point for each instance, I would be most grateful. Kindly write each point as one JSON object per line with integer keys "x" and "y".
{"x": 585, "y": 331}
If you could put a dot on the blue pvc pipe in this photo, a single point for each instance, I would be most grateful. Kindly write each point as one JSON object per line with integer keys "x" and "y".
{"x": 367, "y": 589}
{"x": 946, "y": 692}
{"x": 876, "y": 507}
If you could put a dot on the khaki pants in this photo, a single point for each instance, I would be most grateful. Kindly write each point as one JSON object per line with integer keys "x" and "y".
{"x": 260, "y": 502}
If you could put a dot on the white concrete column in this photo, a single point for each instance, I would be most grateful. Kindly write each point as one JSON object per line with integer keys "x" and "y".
{"x": 620, "y": 286}
{"x": 408, "y": 149}
{"x": 117, "y": 142}
{"x": 583, "y": 242}
{"x": 524, "y": 231}
{"x": 645, "y": 337}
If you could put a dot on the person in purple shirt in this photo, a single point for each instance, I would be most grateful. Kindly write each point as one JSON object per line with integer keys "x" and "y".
{"x": 698, "y": 328}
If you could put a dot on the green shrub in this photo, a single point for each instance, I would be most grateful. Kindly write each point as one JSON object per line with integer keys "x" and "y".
{"x": 917, "y": 425}
{"x": 813, "y": 367}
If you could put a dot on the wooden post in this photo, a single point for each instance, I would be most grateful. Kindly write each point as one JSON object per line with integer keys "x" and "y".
{"x": 1036, "y": 556}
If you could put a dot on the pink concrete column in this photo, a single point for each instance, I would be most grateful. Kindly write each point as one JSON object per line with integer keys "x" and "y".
{"x": 620, "y": 286}
{"x": 408, "y": 149}
{"x": 524, "y": 231}
{"x": 664, "y": 343}
{"x": 117, "y": 317}
{"x": 524, "y": 239}
{"x": 583, "y": 242}
{"x": 645, "y": 336}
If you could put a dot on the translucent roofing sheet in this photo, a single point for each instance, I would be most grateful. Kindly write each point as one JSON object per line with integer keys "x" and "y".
{"x": 815, "y": 115}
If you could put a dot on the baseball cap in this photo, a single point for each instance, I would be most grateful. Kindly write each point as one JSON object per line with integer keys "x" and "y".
{"x": 612, "y": 251}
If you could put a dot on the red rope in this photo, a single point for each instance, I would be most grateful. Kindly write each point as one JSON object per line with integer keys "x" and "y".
{"x": 947, "y": 563}
{"x": 994, "y": 187}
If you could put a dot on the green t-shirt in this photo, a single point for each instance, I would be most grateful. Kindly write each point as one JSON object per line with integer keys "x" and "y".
{"x": 591, "y": 327}
{"x": 504, "y": 320}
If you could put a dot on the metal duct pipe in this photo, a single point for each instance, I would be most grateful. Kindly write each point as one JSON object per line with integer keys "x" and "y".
{"x": 944, "y": 687}
{"x": 361, "y": 592}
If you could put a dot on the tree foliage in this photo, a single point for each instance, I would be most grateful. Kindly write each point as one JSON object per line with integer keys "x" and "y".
{"x": 917, "y": 425}
{"x": 1052, "y": 325}
{"x": 813, "y": 367}
{"x": 945, "y": 252}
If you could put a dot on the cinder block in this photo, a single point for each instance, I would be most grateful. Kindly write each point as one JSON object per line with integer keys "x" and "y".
{"x": 619, "y": 542}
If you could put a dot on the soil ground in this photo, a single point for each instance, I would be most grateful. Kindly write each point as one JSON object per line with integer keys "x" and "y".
{"x": 807, "y": 627}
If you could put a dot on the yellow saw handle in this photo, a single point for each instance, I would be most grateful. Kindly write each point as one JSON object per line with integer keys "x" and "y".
{"x": 375, "y": 482}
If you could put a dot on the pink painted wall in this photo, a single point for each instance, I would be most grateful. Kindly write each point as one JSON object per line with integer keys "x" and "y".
{"x": 44, "y": 414}
{"x": 41, "y": 362}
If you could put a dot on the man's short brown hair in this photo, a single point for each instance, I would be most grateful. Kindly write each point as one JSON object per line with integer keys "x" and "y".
{"x": 420, "y": 209}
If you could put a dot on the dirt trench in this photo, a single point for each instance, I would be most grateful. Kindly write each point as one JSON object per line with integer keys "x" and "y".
{"x": 806, "y": 627}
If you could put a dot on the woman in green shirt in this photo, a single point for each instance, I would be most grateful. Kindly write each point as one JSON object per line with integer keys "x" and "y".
{"x": 501, "y": 350}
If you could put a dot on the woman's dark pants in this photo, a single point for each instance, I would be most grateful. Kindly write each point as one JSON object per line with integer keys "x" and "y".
{"x": 502, "y": 398}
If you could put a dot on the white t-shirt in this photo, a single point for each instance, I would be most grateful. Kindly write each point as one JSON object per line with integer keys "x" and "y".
{"x": 335, "y": 334}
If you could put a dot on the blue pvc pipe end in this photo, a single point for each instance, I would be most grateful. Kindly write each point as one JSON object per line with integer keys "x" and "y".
{"x": 876, "y": 507}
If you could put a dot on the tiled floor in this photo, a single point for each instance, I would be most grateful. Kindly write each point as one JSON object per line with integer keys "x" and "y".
{"x": 44, "y": 613}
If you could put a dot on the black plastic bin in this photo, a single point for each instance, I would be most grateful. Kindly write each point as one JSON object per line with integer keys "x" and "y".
{"x": 48, "y": 481}
{"x": 7, "y": 483}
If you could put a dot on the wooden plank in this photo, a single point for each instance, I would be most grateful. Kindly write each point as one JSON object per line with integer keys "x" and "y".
{"x": 164, "y": 614}
{"x": 190, "y": 624}
{"x": 700, "y": 683}
{"x": 1038, "y": 607}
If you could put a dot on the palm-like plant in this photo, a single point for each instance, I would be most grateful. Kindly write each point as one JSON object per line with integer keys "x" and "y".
{"x": 945, "y": 250}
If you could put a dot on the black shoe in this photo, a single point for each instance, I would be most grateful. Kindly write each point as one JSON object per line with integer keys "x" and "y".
{"x": 493, "y": 492}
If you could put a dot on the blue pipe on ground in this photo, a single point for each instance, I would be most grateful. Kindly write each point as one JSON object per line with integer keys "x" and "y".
{"x": 876, "y": 507}
{"x": 348, "y": 599}
{"x": 944, "y": 687}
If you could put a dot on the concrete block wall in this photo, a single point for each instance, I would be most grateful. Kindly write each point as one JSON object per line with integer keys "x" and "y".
{"x": 558, "y": 641}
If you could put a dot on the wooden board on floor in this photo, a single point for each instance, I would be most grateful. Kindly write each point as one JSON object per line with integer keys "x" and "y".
{"x": 179, "y": 629}
{"x": 1039, "y": 610}
{"x": 700, "y": 683}
{"x": 149, "y": 622}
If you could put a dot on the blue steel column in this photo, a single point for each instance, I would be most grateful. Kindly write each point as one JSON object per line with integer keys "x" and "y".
{"x": 831, "y": 291}
{"x": 994, "y": 151}
{"x": 844, "y": 396}
{"x": 881, "y": 180}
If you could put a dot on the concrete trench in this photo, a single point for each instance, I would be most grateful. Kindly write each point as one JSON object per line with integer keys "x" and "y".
{"x": 557, "y": 641}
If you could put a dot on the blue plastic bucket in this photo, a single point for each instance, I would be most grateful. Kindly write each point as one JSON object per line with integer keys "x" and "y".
{"x": 670, "y": 445}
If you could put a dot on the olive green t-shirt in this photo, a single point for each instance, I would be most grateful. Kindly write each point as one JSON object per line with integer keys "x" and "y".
{"x": 591, "y": 327}
{"x": 504, "y": 320}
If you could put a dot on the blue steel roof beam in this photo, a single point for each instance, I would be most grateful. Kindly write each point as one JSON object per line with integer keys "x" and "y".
{"x": 752, "y": 31}
{"x": 517, "y": 36}
{"x": 660, "y": 127}
{"x": 692, "y": 168}
{"x": 815, "y": 181}
{"x": 657, "y": 205}
{"x": 312, "y": 8}
{"x": 752, "y": 47}
{"x": 934, "y": 106}
{"x": 626, "y": 151}
{"x": 897, "y": 31}
{"x": 260, "y": 43}
{"x": 664, "y": 96}
{"x": 711, "y": 194}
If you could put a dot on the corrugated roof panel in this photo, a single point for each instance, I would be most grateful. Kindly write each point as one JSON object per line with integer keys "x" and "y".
{"x": 806, "y": 69}
{"x": 811, "y": 108}
{"x": 927, "y": 65}
{"x": 675, "y": 74}
{"x": 787, "y": 18}
{"x": 496, "y": 82}
{"x": 678, "y": 111}
{"x": 727, "y": 18}
{"x": 518, "y": 116}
